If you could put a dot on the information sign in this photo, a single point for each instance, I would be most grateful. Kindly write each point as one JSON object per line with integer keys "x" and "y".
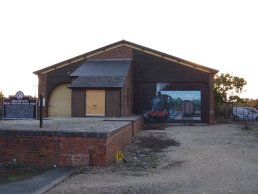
{"x": 19, "y": 107}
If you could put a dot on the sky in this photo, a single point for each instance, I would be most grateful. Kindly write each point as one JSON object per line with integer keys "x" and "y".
{"x": 184, "y": 95}
{"x": 220, "y": 34}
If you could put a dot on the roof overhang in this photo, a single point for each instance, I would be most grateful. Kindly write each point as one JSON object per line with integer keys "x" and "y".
{"x": 130, "y": 45}
{"x": 98, "y": 82}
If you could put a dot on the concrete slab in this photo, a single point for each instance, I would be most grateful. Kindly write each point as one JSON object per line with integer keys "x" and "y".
{"x": 83, "y": 125}
{"x": 87, "y": 141}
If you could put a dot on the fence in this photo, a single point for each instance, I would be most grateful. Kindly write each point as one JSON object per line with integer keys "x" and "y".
{"x": 237, "y": 112}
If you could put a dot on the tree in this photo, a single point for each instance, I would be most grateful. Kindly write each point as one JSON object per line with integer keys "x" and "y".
{"x": 251, "y": 102}
{"x": 227, "y": 89}
{"x": 1, "y": 97}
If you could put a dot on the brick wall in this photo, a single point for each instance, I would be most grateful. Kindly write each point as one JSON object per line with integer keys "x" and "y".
{"x": 113, "y": 107}
{"x": 149, "y": 70}
{"x": 78, "y": 103}
{"x": 42, "y": 89}
{"x": 112, "y": 103}
{"x": 121, "y": 52}
{"x": 50, "y": 80}
{"x": 127, "y": 95}
{"x": 137, "y": 126}
{"x": 52, "y": 150}
{"x": 117, "y": 142}
{"x": 48, "y": 148}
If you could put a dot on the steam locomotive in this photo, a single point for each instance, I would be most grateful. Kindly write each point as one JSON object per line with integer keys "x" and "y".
{"x": 160, "y": 108}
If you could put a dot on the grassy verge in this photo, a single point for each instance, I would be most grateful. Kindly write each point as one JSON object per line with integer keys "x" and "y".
{"x": 12, "y": 171}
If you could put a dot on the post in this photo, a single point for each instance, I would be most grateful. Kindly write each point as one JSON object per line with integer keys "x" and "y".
{"x": 41, "y": 111}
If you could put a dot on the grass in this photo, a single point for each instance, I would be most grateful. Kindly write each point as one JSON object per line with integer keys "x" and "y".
{"x": 12, "y": 171}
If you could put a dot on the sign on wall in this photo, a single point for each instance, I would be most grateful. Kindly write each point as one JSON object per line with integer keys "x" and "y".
{"x": 19, "y": 107}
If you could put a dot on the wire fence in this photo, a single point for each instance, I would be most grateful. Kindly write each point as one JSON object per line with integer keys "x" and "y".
{"x": 238, "y": 113}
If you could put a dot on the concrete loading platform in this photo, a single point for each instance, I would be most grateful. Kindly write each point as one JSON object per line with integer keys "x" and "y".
{"x": 87, "y": 141}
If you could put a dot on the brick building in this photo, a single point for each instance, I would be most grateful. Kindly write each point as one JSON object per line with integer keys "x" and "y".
{"x": 124, "y": 78}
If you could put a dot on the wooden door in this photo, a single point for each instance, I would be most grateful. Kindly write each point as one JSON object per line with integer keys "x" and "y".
{"x": 95, "y": 102}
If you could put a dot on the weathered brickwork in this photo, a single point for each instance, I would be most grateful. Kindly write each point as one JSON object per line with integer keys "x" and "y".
{"x": 48, "y": 148}
{"x": 118, "y": 141}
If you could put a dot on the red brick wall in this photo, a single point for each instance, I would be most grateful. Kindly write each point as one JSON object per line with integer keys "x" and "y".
{"x": 117, "y": 142}
{"x": 49, "y": 151}
{"x": 137, "y": 126}
{"x": 48, "y": 148}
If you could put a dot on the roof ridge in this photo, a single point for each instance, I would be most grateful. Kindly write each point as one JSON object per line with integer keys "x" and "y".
{"x": 109, "y": 59}
{"x": 131, "y": 45}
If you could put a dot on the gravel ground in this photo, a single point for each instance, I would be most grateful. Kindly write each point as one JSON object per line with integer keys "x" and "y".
{"x": 180, "y": 159}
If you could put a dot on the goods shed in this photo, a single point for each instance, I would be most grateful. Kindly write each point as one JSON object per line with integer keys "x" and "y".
{"x": 123, "y": 79}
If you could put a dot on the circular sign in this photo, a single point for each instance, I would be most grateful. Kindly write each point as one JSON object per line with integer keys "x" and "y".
{"x": 19, "y": 95}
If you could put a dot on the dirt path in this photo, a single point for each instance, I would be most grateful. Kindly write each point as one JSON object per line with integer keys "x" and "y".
{"x": 209, "y": 159}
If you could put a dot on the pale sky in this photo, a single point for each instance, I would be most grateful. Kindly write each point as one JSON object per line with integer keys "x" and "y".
{"x": 221, "y": 34}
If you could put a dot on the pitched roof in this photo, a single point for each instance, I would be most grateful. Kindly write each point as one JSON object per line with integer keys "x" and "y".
{"x": 131, "y": 45}
{"x": 101, "y": 73}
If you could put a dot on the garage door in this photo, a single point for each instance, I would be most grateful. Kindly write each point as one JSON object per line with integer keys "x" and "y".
{"x": 95, "y": 102}
{"x": 60, "y": 102}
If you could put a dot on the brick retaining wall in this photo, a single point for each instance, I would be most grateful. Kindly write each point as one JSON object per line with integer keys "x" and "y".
{"x": 48, "y": 148}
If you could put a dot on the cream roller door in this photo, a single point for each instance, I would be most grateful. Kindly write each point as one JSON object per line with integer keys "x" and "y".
{"x": 60, "y": 102}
